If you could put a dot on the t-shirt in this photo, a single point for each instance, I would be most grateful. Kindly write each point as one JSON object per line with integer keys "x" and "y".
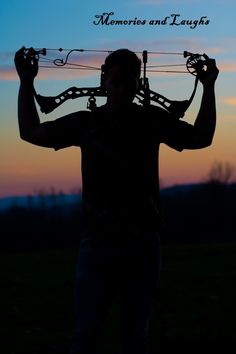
{"x": 120, "y": 157}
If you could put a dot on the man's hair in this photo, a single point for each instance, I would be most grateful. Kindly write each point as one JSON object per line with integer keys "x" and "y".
{"x": 124, "y": 58}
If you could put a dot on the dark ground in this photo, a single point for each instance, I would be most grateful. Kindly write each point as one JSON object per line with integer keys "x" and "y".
{"x": 195, "y": 307}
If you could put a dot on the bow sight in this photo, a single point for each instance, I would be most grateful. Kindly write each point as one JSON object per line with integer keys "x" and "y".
{"x": 195, "y": 64}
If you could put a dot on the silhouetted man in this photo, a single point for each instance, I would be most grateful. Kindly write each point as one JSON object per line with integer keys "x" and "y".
{"x": 119, "y": 141}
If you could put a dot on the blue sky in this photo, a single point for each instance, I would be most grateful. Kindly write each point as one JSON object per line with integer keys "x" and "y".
{"x": 69, "y": 24}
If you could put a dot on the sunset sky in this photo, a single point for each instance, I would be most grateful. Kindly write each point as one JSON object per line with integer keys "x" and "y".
{"x": 28, "y": 169}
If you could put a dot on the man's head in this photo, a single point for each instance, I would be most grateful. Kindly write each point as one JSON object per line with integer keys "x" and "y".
{"x": 121, "y": 76}
{"x": 124, "y": 58}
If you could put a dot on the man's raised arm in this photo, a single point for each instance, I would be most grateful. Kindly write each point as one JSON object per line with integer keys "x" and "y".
{"x": 30, "y": 128}
{"x": 205, "y": 123}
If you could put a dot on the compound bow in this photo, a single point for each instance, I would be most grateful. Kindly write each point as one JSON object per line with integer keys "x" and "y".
{"x": 195, "y": 63}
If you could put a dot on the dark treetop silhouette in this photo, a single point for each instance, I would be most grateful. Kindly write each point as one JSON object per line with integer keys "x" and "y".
{"x": 119, "y": 141}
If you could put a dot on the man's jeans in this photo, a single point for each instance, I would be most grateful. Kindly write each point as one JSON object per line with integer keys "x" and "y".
{"x": 127, "y": 264}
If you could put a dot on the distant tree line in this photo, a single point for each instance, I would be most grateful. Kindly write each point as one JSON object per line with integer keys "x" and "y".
{"x": 204, "y": 212}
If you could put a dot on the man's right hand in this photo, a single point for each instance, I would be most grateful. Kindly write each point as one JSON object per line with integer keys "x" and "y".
{"x": 26, "y": 64}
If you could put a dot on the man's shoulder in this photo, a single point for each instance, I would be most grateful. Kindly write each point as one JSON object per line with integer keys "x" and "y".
{"x": 157, "y": 109}
{"x": 76, "y": 117}
{"x": 70, "y": 121}
{"x": 135, "y": 109}
{"x": 152, "y": 113}
{"x": 150, "y": 109}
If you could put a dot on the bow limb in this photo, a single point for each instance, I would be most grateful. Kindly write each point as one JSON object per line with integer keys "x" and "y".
{"x": 49, "y": 103}
{"x": 176, "y": 108}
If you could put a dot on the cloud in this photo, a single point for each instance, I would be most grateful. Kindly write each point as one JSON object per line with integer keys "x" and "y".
{"x": 80, "y": 66}
{"x": 96, "y": 59}
{"x": 173, "y": 44}
{"x": 86, "y": 65}
{"x": 8, "y": 74}
{"x": 231, "y": 101}
{"x": 227, "y": 67}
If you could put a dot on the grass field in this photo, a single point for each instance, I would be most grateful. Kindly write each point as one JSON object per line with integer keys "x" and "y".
{"x": 195, "y": 305}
